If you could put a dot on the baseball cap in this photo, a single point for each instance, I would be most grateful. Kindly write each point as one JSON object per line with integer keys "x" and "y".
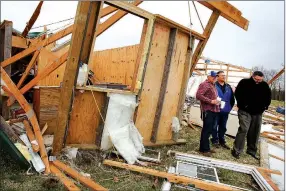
{"x": 212, "y": 74}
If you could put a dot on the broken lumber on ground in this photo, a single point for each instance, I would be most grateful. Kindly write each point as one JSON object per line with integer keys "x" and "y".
{"x": 170, "y": 177}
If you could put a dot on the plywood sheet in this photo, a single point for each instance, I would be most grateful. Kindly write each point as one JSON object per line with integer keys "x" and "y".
{"x": 84, "y": 119}
{"x": 173, "y": 89}
{"x": 115, "y": 65}
{"x": 152, "y": 80}
{"x": 110, "y": 66}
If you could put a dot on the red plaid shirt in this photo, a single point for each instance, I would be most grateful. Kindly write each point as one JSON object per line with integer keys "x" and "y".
{"x": 206, "y": 93}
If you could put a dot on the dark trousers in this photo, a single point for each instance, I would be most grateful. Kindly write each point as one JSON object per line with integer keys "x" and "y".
{"x": 220, "y": 128}
{"x": 209, "y": 121}
{"x": 249, "y": 127}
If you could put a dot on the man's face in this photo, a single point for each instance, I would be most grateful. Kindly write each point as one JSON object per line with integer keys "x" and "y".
{"x": 212, "y": 79}
{"x": 257, "y": 79}
{"x": 221, "y": 77}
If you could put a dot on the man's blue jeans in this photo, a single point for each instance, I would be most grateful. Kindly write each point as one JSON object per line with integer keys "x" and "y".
{"x": 220, "y": 128}
{"x": 209, "y": 121}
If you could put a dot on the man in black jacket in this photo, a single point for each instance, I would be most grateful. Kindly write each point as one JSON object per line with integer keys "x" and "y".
{"x": 253, "y": 97}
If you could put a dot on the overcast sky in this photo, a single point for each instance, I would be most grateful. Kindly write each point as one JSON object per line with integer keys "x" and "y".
{"x": 262, "y": 44}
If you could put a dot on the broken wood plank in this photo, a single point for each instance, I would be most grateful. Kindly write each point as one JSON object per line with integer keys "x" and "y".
{"x": 276, "y": 157}
{"x": 274, "y": 133}
{"x": 31, "y": 136}
{"x": 32, "y": 19}
{"x": 9, "y": 131}
{"x": 170, "y": 177}
{"x": 44, "y": 129}
{"x": 49, "y": 69}
{"x": 271, "y": 137}
{"x": 163, "y": 143}
{"x": 77, "y": 176}
{"x": 228, "y": 11}
{"x": 81, "y": 45}
{"x": 164, "y": 82}
{"x": 29, "y": 67}
{"x": 276, "y": 76}
{"x": 30, "y": 114}
{"x": 269, "y": 180}
{"x": 207, "y": 32}
{"x": 69, "y": 184}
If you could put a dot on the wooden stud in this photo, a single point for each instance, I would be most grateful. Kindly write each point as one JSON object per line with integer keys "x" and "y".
{"x": 274, "y": 133}
{"x": 207, "y": 32}
{"x": 77, "y": 176}
{"x": 267, "y": 170}
{"x": 30, "y": 113}
{"x": 31, "y": 136}
{"x": 131, "y": 9}
{"x": 44, "y": 129}
{"x": 164, "y": 82}
{"x": 69, "y": 185}
{"x": 204, "y": 185}
{"x": 49, "y": 69}
{"x": 228, "y": 11}
{"x": 276, "y": 76}
{"x": 271, "y": 137}
{"x": 32, "y": 19}
{"x": 79, "y": 47}
{"x": 276, "y": 157}
{"x": 5, "y": 53}
{"x": 29, "y": 67}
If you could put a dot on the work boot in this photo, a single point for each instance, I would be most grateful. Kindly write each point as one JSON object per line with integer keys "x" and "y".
{"x": 234, "y": 154}
{"x": 253, "y": 155}
{"x": 216, "y": 145}
{"x": 225, "y": 146}
{"x": 206, "y": 154}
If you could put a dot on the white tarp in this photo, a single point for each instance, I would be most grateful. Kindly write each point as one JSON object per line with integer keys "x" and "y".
{"x": 193, "y": 85}
{"x": 119, "y": 128}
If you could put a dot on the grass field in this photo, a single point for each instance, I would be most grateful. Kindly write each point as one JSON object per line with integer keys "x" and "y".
{"x": 12, "y": 178}
{"x": 276, "y": 103}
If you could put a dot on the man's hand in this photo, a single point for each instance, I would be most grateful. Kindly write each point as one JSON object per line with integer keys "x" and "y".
{"x": 215, "y": 102}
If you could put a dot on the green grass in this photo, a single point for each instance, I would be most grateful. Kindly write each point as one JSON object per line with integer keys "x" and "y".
{"x": 13, "y": 178}
{"x": 276, "y": 103}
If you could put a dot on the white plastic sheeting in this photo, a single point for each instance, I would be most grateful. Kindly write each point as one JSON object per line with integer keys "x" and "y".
{"x": 119, "y": 128}
{"x": 193, "y": 85}
{"x": 82, "y": 75}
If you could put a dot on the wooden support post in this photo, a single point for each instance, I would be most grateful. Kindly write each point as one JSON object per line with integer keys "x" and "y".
{"x": 29, "y": 67}
{"x": 31, "y": 136}
{"x": 185, "y": 78}
{"x": 79, "y": 52}
{"x": 30, "y": 114}
{"x": 276, "y": 76}
{"x": 77, "y": 176}
{"x": 32, "y": 19}
{"x": 207, "y": 32}
{"x": 204, "y": 185}
{"x": 5, "y": 53}
{"x": 69, "y": 185}
{"x": 164, "y": 82}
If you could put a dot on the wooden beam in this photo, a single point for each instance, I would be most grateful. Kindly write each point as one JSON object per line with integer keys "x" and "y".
{"x": 164, "y": 82}
{"x": 228, "y": 11}
{"x": 5, "y": 53}
{"x": 268, "y": 180}
{"x": 201, "y": 45}
{"x": 44, "y": 129}
{"x": 276, "y": 76}
{"x": 204, "y": 185}
{"x": 276, "y": 157}
{"x": 29, "y": 67}
{"x": 113, "y": 19}
{"x": 48, "y": 69}
{"x": 38, "y": 46}
{"x": 69, "y": 184}
{"x": 31, "y": 136}
{"x": 77, "y": 176}
{"x": 20, "y": 42}
{"x": 32, "y": 19}
{"x": 30, "y": 114}
{"x": 131, "y": 9}
{"x": 79, "y": 52}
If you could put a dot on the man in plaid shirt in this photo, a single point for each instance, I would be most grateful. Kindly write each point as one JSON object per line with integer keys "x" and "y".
{"x": 207, "y": 94}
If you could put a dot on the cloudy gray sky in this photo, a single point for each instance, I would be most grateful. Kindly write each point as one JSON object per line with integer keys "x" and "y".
{"x": 262, "y": 44}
